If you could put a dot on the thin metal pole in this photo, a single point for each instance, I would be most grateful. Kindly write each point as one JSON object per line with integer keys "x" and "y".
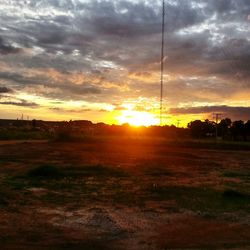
{"x": 217, "y": 116}
{"x": 162, "y": 56}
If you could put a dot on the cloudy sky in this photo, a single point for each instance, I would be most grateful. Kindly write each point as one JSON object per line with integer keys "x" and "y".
{"x": 100, "y": 59}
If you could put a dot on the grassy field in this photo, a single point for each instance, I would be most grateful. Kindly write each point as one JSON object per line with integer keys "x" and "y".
{"x": 124, "y": 194}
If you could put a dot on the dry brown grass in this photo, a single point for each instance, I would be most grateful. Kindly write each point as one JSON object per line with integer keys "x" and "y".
{"x": 122, "y": 194}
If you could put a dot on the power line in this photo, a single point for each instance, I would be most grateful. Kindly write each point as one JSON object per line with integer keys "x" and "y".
{"x": 178, "y": 123}
{"x": 162, "y": 56}
{"x": 216, "y": 116}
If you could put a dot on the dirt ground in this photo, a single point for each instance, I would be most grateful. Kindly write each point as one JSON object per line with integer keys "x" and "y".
{"x": 123, "y": 194}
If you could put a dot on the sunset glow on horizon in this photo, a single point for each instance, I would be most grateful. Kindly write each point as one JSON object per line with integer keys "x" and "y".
{"x": 136, "y": 118}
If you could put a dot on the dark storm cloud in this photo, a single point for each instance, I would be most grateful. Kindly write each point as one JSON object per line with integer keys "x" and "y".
{"x": 119, "y": 29}
{"x": 101, "y": 20}
{"x": 63, "y": 89}
{"x": 81, "y": 89}
{"x": 57, "y": 109}
{"x": 137, "y": 19}
{"x": 6, "y": 48}
{"x": 203, "y": 39}
{"x": 21, "y": 103}
{"x": 230, "y": 9}
{"x": 227, "y": 111}
{"x": 20, "y": 79}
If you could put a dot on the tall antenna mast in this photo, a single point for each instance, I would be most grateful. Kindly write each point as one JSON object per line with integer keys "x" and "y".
{"x": 162, "y": 56}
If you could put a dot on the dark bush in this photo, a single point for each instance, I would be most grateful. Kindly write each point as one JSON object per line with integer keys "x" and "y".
{"x": 233, "y": 194}
{"x": 45, "y": 171}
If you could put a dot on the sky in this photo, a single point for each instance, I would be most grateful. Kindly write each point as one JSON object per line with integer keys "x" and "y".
{"x": 99, "y": 60}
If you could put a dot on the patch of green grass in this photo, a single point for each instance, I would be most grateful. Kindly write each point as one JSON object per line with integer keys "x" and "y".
{"x": 23, "y": 135}
{"x": 212, "y": 144}
{"x": 55, "y": 198}
{"x": 126, "y": 198}
{"x": 93, "y": 171}
{"x": 16, "y": 184}
{"x": 54, "y": 172}
{"x": 156, "y": 171}
{"x": 68, "y": 184}
{"x": 237, "y": 174}
{"x": 91, "y": 244}
{"x": 201, "y": 198}
{"x": 66, "y": 135}
{"x": 8, "y": 195}
{"x": 63, "y": 184}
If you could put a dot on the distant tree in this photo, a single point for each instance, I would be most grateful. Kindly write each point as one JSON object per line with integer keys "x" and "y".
{"x": 247, "y": 129}
{"x": 238, "y": 130}
{"x": 224, "y": 127}
{"x": 228, "y": 122}
{"x": 34, "y": 123}
{"x": 201, "y": 129}
{"x": 209, "y": 128}
{"x": 195, "y": 128}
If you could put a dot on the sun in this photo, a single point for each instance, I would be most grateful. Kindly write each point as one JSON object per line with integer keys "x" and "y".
{"x": 136, "y": 118}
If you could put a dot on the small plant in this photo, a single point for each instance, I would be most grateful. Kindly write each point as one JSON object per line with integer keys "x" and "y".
{"x": 45, "y": 171}
{"x": 94, "y": 171}
{"x": 233, "y": 194}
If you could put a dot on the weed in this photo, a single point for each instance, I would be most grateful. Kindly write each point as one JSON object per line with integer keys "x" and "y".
{"x": 45, "y": 171}
{"x": 233, "y": 194}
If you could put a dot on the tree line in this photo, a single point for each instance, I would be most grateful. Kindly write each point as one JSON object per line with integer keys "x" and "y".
{"x": 226, "y": 129}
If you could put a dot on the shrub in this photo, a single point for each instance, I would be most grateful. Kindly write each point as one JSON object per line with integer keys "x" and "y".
{"x": 45, "y": 171}
{"x": 233, "y": 194}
